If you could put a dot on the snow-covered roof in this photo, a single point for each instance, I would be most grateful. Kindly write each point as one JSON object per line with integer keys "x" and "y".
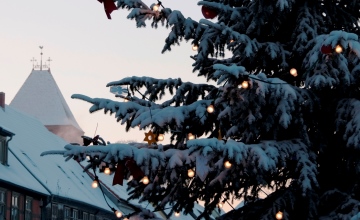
{"x": 41, "y": 97}
{"x": 16, "y": 174}
{"x": 48, "y": 174}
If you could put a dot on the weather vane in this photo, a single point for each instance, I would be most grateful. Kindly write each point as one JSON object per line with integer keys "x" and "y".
{"x": 41, "y": 64}
{"x": 49, "y": 60}
{"x": 41, "y": 53}
{"x": 33, "y": 61}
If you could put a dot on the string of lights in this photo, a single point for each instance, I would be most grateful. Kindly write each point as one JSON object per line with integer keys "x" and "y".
{"x": 157, "y": 6}
{"x": 191, "y": 174}
{"x": 96, "y": 183}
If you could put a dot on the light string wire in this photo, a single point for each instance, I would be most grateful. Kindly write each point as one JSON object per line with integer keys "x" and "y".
{"x": 163, "y": 209}
{"x": 160, "y": 4}
{"x": 113, "y": 209}
{"x": 144, "y": 97}
{"x": 102, "y": 191}
{"x": 187, "y": 167}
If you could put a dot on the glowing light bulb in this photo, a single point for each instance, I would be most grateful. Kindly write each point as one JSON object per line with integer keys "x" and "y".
{"x": 177, "y": 214}
{"x": 191, "y": 136}
{"x": 107, "y": 171}
{"x": 231, "y": 40}
{"x": 95, "y": 183}
{"x": 118, "y": 214}
{"x": 191, "y": 173}
{"x": 245, "y": 84}
{"x": 210, "y": 109}
{"x": 156, "y": 7}
{"x": 227, "y": 164}
{"x": 220, "y": 204}
{"x": 145, "y": 180}
{"x": 195, "y": 47}
{"x": 338, "y": 49}
{"x": 293, "y": 72}
{"x": 160, "y": 137}
{"x": 279, "y": 215}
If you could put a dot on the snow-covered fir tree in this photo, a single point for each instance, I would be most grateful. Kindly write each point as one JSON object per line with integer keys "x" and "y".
{"x": 286, "y": 116}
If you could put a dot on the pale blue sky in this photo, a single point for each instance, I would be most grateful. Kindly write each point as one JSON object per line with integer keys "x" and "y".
{"x": 88, "y": 51}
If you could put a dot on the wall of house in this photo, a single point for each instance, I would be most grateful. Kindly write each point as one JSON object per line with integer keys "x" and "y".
{"x": 72, "y": 211}
{"x": 37, "y": 208}
{"x": 35, "y": 205}
{"x": 53, "y": 210}
{"x": 8, "y": 204}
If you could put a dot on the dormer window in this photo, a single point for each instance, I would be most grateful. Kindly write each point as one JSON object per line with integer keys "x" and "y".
{"x": 3, "y": 150}
{"x": 5, "y": 137}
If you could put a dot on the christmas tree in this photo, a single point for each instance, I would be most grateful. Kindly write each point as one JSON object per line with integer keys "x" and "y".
{"x": 276, "y": 123}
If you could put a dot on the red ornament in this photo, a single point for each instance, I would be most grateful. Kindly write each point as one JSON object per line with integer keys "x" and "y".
{"x": 119, "y": 173}
{"x": 135, "y": 171}
{"x": 131, "y": 166}
{"x": 109, "y": 6}
{"x": 209, "y": 13}
{"x": 326, "y": 49}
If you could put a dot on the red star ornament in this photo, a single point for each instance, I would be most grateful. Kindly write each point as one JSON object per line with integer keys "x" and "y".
{"x": 150, "y": 137}
{"x": 109, "y": 6}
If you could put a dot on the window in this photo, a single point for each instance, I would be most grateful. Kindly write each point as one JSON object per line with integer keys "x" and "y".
{"x": 3, "y": 150}
{"x": 28, "y": 208}
{"x": 15, "y": 207}
{"x": 2, "y": 203}
{"x": 75, "y": 214}
{"x": 85, "y": 216}
{"x": 54, "y": 212}
{"x": 66, "y": 213}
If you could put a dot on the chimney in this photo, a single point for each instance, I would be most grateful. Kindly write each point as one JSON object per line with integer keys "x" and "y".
{"x": 2, "y": 99}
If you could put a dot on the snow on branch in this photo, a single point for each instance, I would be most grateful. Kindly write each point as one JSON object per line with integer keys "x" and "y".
{"x": 153, "y": 86}
{"x": 331, "y": 70}
{"x": 181, "y": 27}
{"x": 150, "y": 114}
{"x": 267, "y": 156}
{"x": 186, "y": 92}
{"x": 348, "y": 117}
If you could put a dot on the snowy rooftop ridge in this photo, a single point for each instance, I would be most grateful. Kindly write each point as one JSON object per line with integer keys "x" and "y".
{"x": 41, "y": 97}
{"x": 45, "y": 175}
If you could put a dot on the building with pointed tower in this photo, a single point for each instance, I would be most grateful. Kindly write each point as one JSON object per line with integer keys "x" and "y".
{"x": 38, "y": 187}
{"x": 41, "y": 98}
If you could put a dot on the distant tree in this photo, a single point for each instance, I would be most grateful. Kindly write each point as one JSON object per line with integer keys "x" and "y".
{"x": 286, "y": 111}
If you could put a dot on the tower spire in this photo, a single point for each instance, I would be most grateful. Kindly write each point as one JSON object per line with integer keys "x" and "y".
{"x": 41, "y": 53}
